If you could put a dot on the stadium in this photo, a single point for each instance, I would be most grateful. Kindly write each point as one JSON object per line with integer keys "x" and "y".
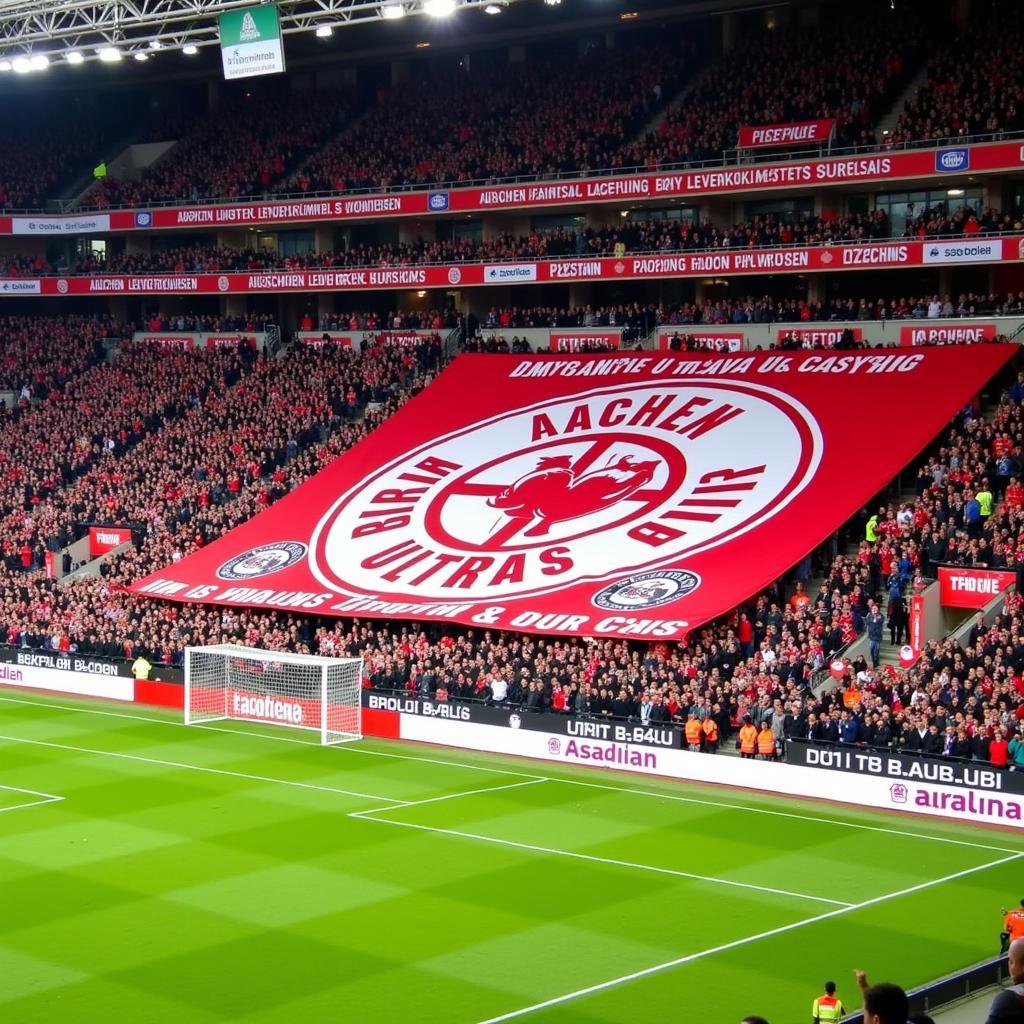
{"x": 511, "y": 510}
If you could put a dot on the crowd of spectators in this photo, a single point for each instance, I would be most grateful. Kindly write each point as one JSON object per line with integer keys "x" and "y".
{"x": 228, "y": 432}
{"x": 850, "y": 71}
{"x": 647, "y": 236}
{"x": 973, "y": 85}
{"x": 496, "y": 121}
{"x": 249, "y": 142}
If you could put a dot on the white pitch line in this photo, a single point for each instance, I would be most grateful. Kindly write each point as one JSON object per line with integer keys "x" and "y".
{"x": 789, "y": 814}
{"x": 593, "y": 858}
{"x": 689, "y": 958}
{"x": 31, "y": 792}
{"x": 350, "y": 749}
{"x": 200, "y": 768}
{"x": 32, "y": 803}
{"x": 268, "y": 735}
{"x": 447, "y": 796}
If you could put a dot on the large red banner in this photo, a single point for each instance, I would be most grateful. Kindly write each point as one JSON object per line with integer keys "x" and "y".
{"x": 795, "y": 260}
{"x": 880, "y": 168}
{"x": 972, "y": 588}
{"x": 796, "y": 134}
{"x": 634, "y": 494}
{"x": 584, "y": 341}
{"x": 105, "y": 538}
{"x": 947, "y": 334}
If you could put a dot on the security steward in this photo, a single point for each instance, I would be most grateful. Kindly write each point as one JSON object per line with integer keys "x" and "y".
{"x": 710, "y": 735}
{"x": 693, "y": 732}
{"x": 766, "y": 743}
{"x": 827, "y": 1008}
{"x": 748, "y": 739}
{"x": 1013, "y": 926}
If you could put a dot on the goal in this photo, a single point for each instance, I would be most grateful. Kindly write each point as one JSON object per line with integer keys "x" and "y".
{"x": 297, "y": 691}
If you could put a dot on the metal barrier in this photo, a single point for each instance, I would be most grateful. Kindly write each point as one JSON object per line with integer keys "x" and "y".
{"x": 951, "y": 988}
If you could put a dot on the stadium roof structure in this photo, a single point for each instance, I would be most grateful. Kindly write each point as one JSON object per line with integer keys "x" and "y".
{"x": 53, "y": 29}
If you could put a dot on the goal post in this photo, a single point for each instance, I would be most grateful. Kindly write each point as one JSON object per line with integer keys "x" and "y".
{"x": 298, "y": 691}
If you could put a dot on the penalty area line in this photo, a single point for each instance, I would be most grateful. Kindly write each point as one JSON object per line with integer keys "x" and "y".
{"x": 668, "y": 965}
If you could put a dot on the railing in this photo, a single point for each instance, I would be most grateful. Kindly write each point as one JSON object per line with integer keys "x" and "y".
{"x": 952, "y": 987}
{"x": 639, "y": 253}
{"x": 728, "y": 158}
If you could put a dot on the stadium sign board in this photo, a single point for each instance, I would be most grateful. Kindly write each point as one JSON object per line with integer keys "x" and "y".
{"x": 628, "y": 494}
{"x": 250, "y": 42}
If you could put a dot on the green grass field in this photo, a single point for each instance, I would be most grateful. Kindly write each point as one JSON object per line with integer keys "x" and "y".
{"x": 155, "y": 873}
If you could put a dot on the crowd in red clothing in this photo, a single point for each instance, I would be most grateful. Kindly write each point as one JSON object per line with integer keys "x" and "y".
{"x": 246, "y": 145}
{"x": 237, "y": 444}
{"x": 973, "y": 85}
{"x": 491, "y": 120}
{"x": 850, "y": 71}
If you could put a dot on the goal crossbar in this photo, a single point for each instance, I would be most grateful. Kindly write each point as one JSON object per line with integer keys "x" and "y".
{"x": 296, "y": 691}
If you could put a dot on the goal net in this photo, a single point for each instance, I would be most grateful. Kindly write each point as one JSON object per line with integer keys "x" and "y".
{"x": 297, "y": 691}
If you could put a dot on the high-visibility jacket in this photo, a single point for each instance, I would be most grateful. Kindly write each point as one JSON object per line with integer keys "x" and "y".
{"x": 748, "y": 739}
{"x": 827, "y": 1008}
{"x": 1014, "y": 924}
{"x": 766, "y": 742}
{"x": 711, "y": 730}
{"x": 141, "y": 668}
{"x": 693, "y": 732}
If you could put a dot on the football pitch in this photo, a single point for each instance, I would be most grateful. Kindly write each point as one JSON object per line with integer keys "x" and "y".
{"x": 151, "y": 872}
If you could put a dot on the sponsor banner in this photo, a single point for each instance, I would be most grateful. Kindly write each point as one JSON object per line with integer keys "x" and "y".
{"x": 606, "y": 268}
{"x": 584, "y": 341}
{"x": 105, "y": 538}
{"x": 817, "y": 337}
{"x": 20, "y": 286}
{"x": 406, "y": 338}
{"x": 716, "y": 341}
{"x": 318, "y": 338}
{"x": 872, "y": 169}
{"x": 966, "y": 250}
{"x": 905, "y": 768}
{"x": 65, "y": 673}
{"x": 973, "y": 804}
{"x": 953, "y": 159}
{"x": 229, "y": 340}
{"x": 972, "y": 588}
{"x": 514, "y": 272}
{"x": 183, "y": 341}
{"x": 588, "y": 495}
{"x": 61, "y": 225}
{"x": 795, "y": 134}
{"x": 602, "y": 730}
{"x": 947, "y": 334}
{"x": 250, "y": 42}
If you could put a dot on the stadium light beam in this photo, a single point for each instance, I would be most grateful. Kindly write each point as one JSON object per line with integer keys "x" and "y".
{"x": 439, "y": 8}
{"x": 39, "y": 62}
{"x": 324, "y": 31}
{"x": 5, "y": 65}
{"x": 492, "y": 9}
{"x": 21, "y": 65}
{"x": 190, "y": 49}
{"x": 74, "y": 57}
{"x": 109, "y": 54}
{"x": 392, "y": 12}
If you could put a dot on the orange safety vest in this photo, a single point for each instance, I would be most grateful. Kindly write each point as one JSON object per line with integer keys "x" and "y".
{"x": 693, "y": 732}
{"x": 765, "y": 742}
{"x": 711, "y": 730}
{"x": 1014, "y": 924}
{"x": 748, "y": 739}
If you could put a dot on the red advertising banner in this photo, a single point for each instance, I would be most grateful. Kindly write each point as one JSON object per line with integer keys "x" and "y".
{"x": 584, "y": 341}
{"x": 229, "y": 340}
{"x": 972, "y": 588}
{"x": 795, "y": 134}
{"x": 588, "y": 495}
{"x": 105, "y": 538}
{"x": 875, "y": 168}
{"x": 715, "y": 341}
{"x": 947, "y": 334}
{"x": 409, "y": 338}
{"x": 817, "y": 337}
{"x": 851, "y": 256}
{"x": 318, "y": 338}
